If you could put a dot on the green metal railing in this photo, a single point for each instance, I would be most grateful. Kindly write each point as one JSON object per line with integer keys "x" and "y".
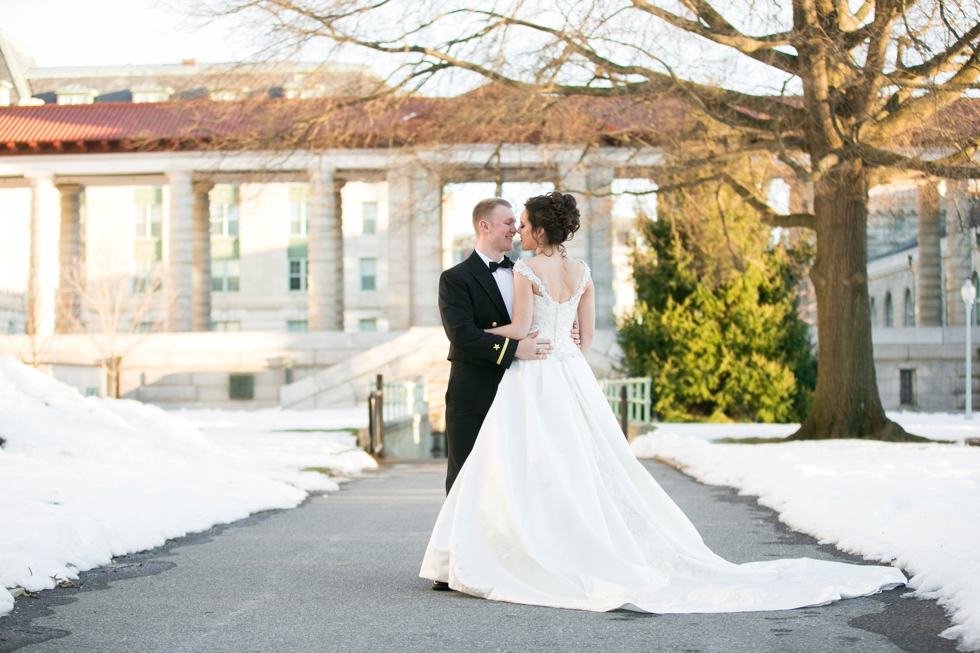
{"x": 637, "y": 398}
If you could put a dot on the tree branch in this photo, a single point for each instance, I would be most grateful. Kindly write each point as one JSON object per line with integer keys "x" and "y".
{"x": 722, "y": 32}
{"x": 917, "y": 110}
{"x": 805, "y": 220}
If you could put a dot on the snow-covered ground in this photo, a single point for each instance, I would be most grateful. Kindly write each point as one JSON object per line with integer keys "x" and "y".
{"x": 915, "y": 505}
{"x": 935, "y": 426}
{"x": 84, "y": 479}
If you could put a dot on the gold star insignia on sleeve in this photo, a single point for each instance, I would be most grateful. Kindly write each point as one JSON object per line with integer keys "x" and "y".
{"x": 496, "y": 347}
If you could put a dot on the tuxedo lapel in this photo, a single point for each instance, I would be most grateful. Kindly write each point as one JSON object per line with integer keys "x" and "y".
{"x": 483, "y": 275}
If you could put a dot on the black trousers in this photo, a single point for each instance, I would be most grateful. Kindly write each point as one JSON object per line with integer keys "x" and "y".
{"x": 468, "y": 398}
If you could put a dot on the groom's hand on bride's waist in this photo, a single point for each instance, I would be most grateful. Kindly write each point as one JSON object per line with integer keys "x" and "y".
{"x": 576, "y": 336}
{"x": 533, "y": 348}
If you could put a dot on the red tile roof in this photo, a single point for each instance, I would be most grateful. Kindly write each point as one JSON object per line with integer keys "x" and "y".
{"x": 490, "y": 116}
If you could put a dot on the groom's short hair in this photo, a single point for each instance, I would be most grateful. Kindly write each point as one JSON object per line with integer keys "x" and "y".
{"x": 484, "y": 208}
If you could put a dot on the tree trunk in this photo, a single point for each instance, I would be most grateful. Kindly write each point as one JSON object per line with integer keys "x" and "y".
{"x": 846, "y": 403}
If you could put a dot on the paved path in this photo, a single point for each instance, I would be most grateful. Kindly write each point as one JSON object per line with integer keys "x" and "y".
{"x": 339, "y": 574}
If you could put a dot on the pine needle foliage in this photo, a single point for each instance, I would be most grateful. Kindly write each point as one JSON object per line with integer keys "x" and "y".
{"x": 720, "y": 335}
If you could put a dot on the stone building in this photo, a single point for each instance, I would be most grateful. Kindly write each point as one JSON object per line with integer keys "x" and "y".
{"x": 292, "y": 276}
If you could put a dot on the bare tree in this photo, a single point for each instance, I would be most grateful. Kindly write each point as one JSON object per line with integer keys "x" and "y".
{"x": 39, "y": 334}
{"x": 877, "y": 85}
{"x": 115, "y": 311}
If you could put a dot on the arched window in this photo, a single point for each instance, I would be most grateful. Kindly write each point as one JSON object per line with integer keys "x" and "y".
{"x": 874, "y": 313}
{"x": 908, "y": 312}
{"x": 889, "y": 311}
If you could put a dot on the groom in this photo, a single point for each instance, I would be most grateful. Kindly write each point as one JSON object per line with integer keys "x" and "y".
{"x": 475, "y": 295}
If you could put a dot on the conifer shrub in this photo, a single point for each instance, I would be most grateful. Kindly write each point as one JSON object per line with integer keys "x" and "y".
{"x": 716, "y": 323}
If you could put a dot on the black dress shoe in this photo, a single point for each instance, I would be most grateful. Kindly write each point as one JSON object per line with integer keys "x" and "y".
{"x": 440, "y": 586}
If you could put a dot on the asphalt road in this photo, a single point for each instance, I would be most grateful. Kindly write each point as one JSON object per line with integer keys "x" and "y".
{"x": 339, "y": 574}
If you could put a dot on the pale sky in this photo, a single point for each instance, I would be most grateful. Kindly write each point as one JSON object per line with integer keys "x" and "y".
{"x": 112, "y": 32}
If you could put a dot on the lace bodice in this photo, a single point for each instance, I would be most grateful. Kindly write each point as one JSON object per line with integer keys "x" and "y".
{"x": 554, "y": 319}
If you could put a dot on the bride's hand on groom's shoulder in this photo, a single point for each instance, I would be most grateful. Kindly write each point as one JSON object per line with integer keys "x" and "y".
{"x": 533, "y": 348}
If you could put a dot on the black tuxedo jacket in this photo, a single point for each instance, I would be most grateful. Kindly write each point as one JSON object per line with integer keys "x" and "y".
{"x": 469, "y": 302}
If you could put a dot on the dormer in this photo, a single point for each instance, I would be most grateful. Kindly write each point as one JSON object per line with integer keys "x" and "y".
{"x": 76, "y": 94}
{"x": 151, "y": 93}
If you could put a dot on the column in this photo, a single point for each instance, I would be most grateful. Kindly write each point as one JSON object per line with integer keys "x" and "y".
{"x": 42, "y": 285}
{"x": 337, "y": 237}
{"x": 180, "y": 251}
{"x": 324, "y": 249}
{"x": 426, "y": 247}
{"x": 400, "y": 249}
{"x": 590, "y": 184}
{"x": 958, "y": 264}
{"x": 929, "y": 273}
{"x": 597, "y": 215}
{"x": 201, "y": 258}
{"x": 70, "y": 259}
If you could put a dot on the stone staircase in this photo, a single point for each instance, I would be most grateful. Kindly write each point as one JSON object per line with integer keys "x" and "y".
{"x": 419, "y": 352}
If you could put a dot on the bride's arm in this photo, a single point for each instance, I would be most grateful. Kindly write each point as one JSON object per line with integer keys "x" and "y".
{"x": 523, "y": 311}
{"x": 586, "y": 317}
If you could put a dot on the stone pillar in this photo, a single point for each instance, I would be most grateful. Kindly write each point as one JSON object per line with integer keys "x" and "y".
{"x": 324, "y": 249}
{"x": 590, "y": 184}
{"x": 929, "y": 273}
{"x": 598, "y": 218}
{"x": 400, "y": 249}
{"x": 42, "y": 283}
{"x": 573, "y": 178}
{"x": 70, "y": 258}
{"x": 201, "y": 258}
{"x": 426, "y": 247}
{"x": 180, "y": 256}
{"x": 958, "y": 264}
{"x": 337, "y": 237}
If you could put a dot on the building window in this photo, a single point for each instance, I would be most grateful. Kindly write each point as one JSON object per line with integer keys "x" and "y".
{"x": 149, "y": 211}
{"x": 299, "y": 209}
{"x": 298, "y": 275}
{"x": 874, "y": 313}
{"x": 147, "y": 243}
{"x": 906, "y": 390}
{"x": 224, "y": 210}
{"x": 226, "y": 326}
{"x": 369, "y": 324}
{"x": 241, "y": 386}
{"x": 225, "y": 275}
{"x": 368, "y": 270}
{"x": 297, "y": 326}
{"x": 369, "y": 217}
{"x": 147, "y": 275}
{"x": 225, "y": 266}
{"x": 908, "y": 310}
{"x": 889, "y": 311}
{"x": 976, "y": 305}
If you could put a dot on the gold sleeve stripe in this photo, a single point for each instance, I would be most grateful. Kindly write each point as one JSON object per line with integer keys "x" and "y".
{"x": 503, "y": 351}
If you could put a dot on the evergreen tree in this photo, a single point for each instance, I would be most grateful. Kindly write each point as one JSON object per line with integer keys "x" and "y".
{"x": 716, "y": 323}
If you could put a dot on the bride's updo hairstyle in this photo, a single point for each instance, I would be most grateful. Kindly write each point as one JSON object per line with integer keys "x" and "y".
{"x": 556, "y": 214}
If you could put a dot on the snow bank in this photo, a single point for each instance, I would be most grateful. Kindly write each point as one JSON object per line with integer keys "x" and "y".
{"x": 935, "y": 426}
{"x": 916, "y": 505}
{"x": 86, "y": 479}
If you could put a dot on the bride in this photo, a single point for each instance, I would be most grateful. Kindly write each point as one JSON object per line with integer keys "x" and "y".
{"x": 552, "y": 508}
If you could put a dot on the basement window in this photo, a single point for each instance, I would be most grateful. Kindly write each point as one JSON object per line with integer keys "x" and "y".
{"x": 906, "y": 391}
{"x": 241, "y": 386}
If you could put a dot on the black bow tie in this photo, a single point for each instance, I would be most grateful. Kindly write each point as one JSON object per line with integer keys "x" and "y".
{"x": 506, "y": 263}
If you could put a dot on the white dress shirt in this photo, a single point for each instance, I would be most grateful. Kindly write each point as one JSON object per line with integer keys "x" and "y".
{"x": 505, "y": 281}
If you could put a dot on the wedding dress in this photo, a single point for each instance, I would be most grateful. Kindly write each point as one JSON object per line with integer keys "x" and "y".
{"x": 552, "y": 508}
